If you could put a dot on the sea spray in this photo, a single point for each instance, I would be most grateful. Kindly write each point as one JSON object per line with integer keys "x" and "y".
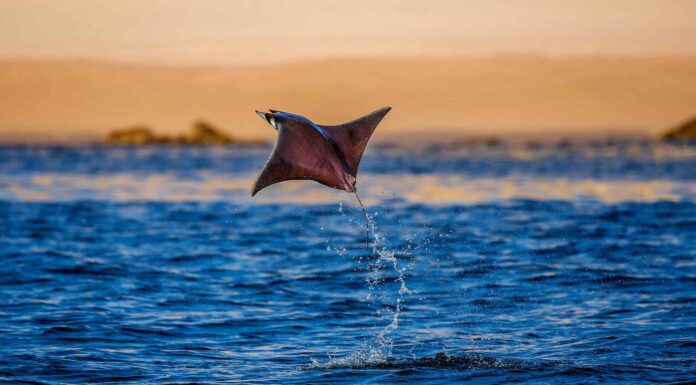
{"x": 390, "y": 258}
{"x": 378, "y": 348}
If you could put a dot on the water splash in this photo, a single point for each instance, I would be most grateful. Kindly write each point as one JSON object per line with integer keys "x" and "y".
{"x": 378, "y": 348}
{"x": 388, "y": 257}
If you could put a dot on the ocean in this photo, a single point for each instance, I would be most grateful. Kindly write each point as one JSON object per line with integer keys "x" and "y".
{"x": 529, "y": 262}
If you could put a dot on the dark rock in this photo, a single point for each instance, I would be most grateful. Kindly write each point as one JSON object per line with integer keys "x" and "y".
{"x": 205, "y": 133}
{"x": 201, "y": 133}
{"x": 682, "y": 132}
{"x": 135, "y": 135}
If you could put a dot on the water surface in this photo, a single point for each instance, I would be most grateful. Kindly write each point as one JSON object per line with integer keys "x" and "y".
{"x": 532, "y": 263}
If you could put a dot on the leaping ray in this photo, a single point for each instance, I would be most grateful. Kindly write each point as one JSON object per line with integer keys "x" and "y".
{"x": 329, "y": 155}
{"x": 304, "y": 150}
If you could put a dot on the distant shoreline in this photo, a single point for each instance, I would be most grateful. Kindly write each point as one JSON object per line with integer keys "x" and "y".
{"x": 507, "y": 96}
{"x": 407, "y": 139}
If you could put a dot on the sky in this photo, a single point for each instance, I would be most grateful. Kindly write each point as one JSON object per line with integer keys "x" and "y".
{"x": 219, "y": 32}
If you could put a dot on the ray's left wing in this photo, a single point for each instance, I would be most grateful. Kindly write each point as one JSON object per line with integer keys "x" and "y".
{"x": 301, "y": 152}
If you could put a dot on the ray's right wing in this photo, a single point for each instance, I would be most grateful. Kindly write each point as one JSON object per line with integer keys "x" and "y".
{"x": 352, "y": 137}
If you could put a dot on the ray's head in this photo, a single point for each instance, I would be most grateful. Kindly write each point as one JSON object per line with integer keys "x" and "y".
{"x": 269, "y": 117}
{"x": 277, "y": 119}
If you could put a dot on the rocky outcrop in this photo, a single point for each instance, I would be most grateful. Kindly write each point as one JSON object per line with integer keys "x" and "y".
{"x": 682, "y": 132}
{"x": 201, "y": 133}
{"x": 205, "y": 133}
{"x": 135, "y": 135}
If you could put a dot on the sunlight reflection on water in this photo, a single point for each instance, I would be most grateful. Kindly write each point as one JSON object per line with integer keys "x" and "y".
{"x": 430, "y": 189}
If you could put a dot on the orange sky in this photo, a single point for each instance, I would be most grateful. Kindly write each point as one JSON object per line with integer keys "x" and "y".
{"x": 224, "y": 31}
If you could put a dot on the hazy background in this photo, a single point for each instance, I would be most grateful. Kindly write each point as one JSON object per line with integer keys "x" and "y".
{"x": 76, "y": 69}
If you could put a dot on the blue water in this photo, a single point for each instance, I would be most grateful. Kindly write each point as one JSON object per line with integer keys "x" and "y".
{"x": 529, "y": 263}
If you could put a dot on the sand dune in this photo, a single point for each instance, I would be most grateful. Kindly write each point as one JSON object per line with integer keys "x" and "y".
{"x": 44, "y": 100}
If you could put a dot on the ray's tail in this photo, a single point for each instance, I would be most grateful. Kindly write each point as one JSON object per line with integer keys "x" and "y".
{"x": 367, "y": 222}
